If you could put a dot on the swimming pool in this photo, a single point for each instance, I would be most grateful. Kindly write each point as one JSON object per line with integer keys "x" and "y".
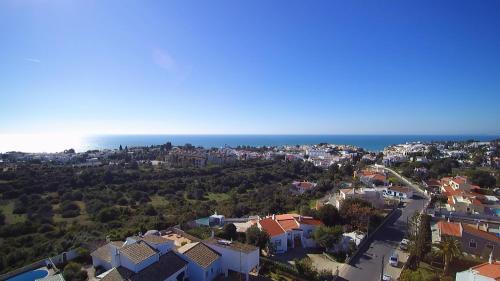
{"x": 30, "y": 275}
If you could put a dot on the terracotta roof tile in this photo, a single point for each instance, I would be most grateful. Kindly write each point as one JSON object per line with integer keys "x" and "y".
{"x": 489, "y": 270}
{"x": 450, "y": 228}
{"x": 480, "y": 233}
{"x": 311, "y": 221}
{"x": 288, "y": 224}
{"x": 271, "y": 227}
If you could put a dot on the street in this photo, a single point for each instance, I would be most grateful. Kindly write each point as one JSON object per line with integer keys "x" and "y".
{"x": 368, "y": 265}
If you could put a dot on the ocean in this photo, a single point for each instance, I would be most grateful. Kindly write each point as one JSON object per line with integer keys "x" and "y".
{"x": 368, "y": 142}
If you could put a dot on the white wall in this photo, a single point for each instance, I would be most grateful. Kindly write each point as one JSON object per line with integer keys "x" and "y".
{"x": 198, "y": 273}
{"x": 127, "y": 263}
{"x": 281, "y": 248}
{"x": 468, "y": 276}
{"x": 99, "y": 262}
{"x": 231, "y": 259}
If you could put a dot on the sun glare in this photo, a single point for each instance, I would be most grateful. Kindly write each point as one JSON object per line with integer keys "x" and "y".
{"x": 39, "y": 142}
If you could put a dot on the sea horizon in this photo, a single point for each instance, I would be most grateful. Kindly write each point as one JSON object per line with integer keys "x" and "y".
{"x": 369, "y": 142}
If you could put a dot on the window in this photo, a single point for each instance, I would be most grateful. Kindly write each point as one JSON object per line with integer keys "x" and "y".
{"x": 212, "y": 269}
{"x": 489, "y": 246}
{"x": 277, "y": 243}
{"x": 401, "y": 194}
{"x": 472, "y": 244}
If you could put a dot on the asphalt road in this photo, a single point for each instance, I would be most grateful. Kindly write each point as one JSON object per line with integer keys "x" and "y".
{"x": 368, "y": 265}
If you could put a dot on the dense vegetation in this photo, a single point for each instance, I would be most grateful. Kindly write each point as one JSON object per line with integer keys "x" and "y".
{"x": 47, "y": 209}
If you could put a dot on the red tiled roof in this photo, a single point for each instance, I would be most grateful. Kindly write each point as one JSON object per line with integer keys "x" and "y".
{"x": 310, "y": 221}
{"x": 305, "y": 185}
{"x": 288, "y": 224}
{"x": 476, "y": 202}
{"x": 271, "y": 227}
{"x": 399, "y": 189}
{"x": 448, "y": 190}
{"x": 286, "y": 216}
{"x": 450, "y": 228}
{"x": 483, "y": 234}
{"x": 489, "y": 270}
{"x": 459, "y": 180}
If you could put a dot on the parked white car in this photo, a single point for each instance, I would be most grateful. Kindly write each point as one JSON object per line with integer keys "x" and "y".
{"x": 386, "y": 277}
{"x": 394, "y": 259}
{"x": 404, "y": 244}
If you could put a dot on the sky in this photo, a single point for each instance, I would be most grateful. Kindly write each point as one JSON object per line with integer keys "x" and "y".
{"x": 249, "y": 67}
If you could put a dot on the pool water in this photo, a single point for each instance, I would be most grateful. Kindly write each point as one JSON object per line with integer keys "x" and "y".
{"x": 30, "y": 275}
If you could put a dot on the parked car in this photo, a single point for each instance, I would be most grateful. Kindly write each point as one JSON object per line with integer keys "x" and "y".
{"x": 404, "y": 244}
{"x": 386, "y": 277}
{"x": 394, "y": 260}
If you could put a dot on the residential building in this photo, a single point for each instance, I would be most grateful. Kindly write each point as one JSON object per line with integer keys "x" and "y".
{"x": 372, "y": 195}
{"x": 204, "y": 262}
{"x": 474, "y": 240}
{"x": 372, "y": 177}
{"x": 174, "y": 256}
{"x": 302, "y": 186}
{"x": 235, "y": 256}
{"x": 289, "y": 231}
{"x": 277, "y": 235}
{"x": 464, "y": 198}
{"x": 489, "y": 271}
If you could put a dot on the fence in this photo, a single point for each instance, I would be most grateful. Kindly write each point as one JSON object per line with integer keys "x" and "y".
{"x": 55, "y": 260}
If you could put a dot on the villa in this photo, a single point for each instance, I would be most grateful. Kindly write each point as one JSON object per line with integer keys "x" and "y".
{"x": 289, "y": 230}
{"x": 157, "y": 258}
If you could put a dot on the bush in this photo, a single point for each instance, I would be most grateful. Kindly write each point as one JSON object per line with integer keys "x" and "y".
{"x": 73, "y": 271}
{"x": 108, "y": 214}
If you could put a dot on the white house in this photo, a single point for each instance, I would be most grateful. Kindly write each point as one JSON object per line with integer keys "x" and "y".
{"x": 289, "y": 230}
{"x": 278, "y": 236}
{"x": 139, "y": 258}
{"x": 205, "y": 264}
{"x": 347, "y": 238}
{"x": 371, "y": 195}
{"x": 235, "y": 256}
{"x": 302, "y": 186}
{"x": 489, "y": 271}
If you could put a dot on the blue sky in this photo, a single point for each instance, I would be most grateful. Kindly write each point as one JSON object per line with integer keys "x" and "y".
{"x": 252, "y": 67}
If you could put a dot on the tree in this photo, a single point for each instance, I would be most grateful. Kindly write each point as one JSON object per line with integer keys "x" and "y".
{"x": 121, "y": 148}
{"x": 326, "y": 236}
{"x": 329, "y": 215}
{"x": 356, "y": 212}
{"x": 305, "y": 268}
{"x": 448, "y": 248}
{"x": 2, "y": 218}
{"x": 257, "y": 237}
{"x": 73, "y": 271}
{"x": 482, "y": 178}
{"x": 420, "y": 236}
{"x": 229, "y": 231}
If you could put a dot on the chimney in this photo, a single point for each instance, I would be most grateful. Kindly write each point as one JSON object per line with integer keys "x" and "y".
{"x": 115, "y": 256}
{"x": 490, "y": 260}
{"x": 274, "y": 217}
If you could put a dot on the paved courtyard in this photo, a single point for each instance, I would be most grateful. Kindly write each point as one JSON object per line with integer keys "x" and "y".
{"x": 319, "y": 261}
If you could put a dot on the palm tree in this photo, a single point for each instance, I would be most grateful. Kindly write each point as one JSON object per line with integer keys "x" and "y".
{"x": 448, "y": 248}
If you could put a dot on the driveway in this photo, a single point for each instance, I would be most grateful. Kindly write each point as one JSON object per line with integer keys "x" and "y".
{"x": 319, "y": 261}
